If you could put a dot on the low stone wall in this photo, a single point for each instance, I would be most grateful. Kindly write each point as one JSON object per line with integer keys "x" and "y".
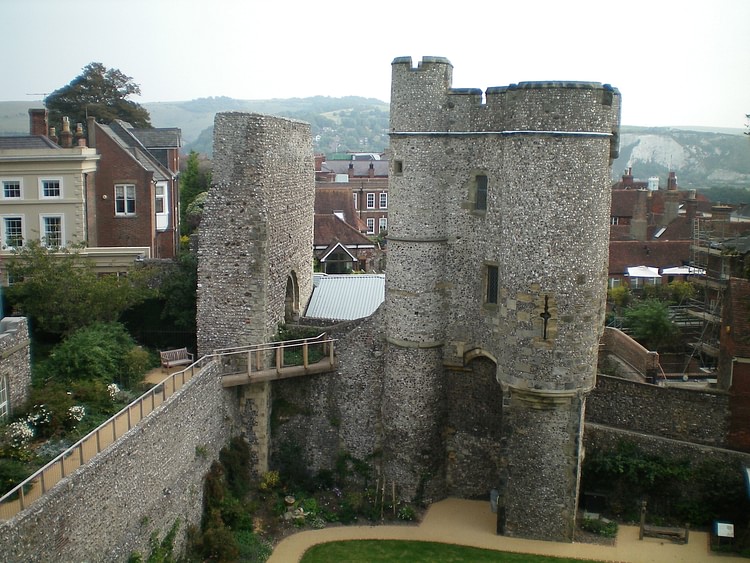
{"x": 620, "y": 344}
{"x": 15, "y": 359}
{"x": 142, "y": 484}
{"x": 605, "y": 438}
{"x": 696, "y": 415}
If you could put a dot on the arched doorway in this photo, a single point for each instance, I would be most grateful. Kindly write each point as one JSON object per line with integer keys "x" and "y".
{"x": 475, "y": 426}
{"x": 291, "y": 300}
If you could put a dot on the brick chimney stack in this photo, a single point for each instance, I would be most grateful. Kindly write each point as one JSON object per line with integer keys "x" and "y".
{"x": 79, "y": 136}
{"x": 672, "y": 182}
{"x": 38, "y": 124}
{"x": 66, "y": 135}
{"x": 350, "y": 170}
{"x": 691, "y": 205}
{"x": 371, "y": 171}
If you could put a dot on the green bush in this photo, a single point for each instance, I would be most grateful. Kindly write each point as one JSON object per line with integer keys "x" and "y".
{"x": 99, "y": 352}
{"x": 604, "y": 528}
{"x": 12, "y": 472}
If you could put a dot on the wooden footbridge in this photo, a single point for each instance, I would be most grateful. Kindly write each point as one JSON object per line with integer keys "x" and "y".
{"x": 238, "y": 366}
{"x": 277, "y": 360}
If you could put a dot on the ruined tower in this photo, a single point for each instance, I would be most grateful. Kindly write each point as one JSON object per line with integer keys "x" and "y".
{"x": 498, "y": 249}
{"x": 255, "y": 246}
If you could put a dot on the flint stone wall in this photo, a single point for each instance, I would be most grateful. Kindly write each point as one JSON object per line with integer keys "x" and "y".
{"x": 257, "y": 229}
{"x": 15, "y": 359}
{"x": 327, "y": 414}
{"x": 700, "y": 416}
{"x": 142, "y": 484}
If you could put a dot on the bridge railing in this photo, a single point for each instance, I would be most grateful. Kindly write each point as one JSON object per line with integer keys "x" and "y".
{"x": 96, "y": 441}
{"x": 275, "y": 355}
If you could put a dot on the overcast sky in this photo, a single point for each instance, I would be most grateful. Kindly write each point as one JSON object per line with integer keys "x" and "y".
{"x": 676, "y": 63}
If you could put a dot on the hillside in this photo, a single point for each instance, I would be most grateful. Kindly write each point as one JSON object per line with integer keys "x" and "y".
{"x": 701, "y": 158}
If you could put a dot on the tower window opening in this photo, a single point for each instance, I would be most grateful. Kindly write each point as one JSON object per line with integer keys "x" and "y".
{"x": 491, "y": 284}
{"x": 481, "y": 192}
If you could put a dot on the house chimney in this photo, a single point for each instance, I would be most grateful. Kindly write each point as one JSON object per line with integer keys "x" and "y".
{"x": 38, "y": 124}
{"x": 672, "y": 182}
{"x": 639, "y": 222}
{"x": 671, "y": 201}
{"x": 350, "y": 171}
{"x": 627, "y": 178}
{"x": 53, "y": 134}
{"x": 66, "y": 135}
{"x": 371, "y": 171}
{"x": 80, "y": 139}
{"x": 691, "y": 205}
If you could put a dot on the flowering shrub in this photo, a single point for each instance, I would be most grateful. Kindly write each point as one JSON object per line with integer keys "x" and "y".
{"x": 113, "y": 391}
{"x": 20, "y": 433}
{"x": 76, "y": 413}
{"x": 39, "y": 415}
{"x": 270, "y": 481}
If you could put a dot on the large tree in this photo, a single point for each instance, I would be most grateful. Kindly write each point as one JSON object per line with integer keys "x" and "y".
{"x": 98, "y": 92}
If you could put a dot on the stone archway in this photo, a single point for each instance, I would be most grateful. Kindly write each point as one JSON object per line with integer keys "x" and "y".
{"x": 291, "y": 299}
{"x": 475, "y": 400}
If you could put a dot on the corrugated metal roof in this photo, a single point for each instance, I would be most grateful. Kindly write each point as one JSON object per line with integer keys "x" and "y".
{"x": 346, "y": 297}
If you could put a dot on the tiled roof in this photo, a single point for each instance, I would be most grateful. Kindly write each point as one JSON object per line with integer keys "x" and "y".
{"x": 163, "y": 137}
{"x": 121, "y": 133}
{"x": 361, "y": 167}
{"x": 27, "y": 142}
{"x": 346, "y": 297}
{"x": 657, "y": 254}
{"x": 329, "y": 228}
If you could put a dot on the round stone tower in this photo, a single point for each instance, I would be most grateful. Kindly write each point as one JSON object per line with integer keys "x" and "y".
{"x": 498, "y": 248}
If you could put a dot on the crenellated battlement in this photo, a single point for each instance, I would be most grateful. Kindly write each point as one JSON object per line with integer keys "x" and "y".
{"x": 424, "y": 99}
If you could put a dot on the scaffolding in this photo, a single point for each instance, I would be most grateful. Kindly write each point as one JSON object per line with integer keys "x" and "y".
{"x": 706, "y": 255}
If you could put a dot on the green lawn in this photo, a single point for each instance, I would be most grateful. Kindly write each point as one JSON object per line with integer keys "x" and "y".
{"x": 386, "y": 551}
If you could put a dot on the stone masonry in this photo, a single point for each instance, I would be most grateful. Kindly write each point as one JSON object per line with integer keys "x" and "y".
{"x": 497, "y": 249}
{"x": 255, "y": 245}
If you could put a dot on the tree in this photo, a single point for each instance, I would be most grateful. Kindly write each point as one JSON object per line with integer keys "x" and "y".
{"x": 59, "y": 290}
{"x": 193, "y": 181}
{"x": 650, "y": 324}
{"x": 101, "y": 93}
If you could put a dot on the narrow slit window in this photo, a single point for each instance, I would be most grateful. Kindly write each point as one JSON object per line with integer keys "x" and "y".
{"x": 481, "y": 194}
{"x": 491, "y": 285}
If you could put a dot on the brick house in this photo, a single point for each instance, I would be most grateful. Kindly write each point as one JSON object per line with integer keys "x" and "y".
{"x": 134, "y": 195}
{"x": 366, "y": 175}
{"x": 339, "y": 246}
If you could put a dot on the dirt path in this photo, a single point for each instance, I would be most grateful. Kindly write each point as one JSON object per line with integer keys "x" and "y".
{"x": 466, "y": 522}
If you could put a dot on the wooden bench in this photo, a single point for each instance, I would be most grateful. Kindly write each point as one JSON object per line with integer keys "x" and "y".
{"x": 179, "y": 357}
{"x": 679, "y": 535}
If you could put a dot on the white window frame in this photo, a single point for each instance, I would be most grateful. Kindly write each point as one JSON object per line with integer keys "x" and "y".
{"x": 382, "y": 224}
{"x": 4, "y": 228}
{"x": 4, "y": 400}
{"x": 355, "y": 200}
{"x": 18, "y": 181}
{"x": 162, "y": 217}
{"x": 42, "y": 183}
{"x": 383, "y": 200}
{"x": 615, "y": 282}
{"x": 126, "y": 189}
{"x": 43, "y": 229}
{"x": 370, "y": 225}
{"x": 614, "y": 220}
{"x": 371, "y": 200}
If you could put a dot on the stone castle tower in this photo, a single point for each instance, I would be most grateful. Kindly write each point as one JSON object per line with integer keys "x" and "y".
{"x": 497, "y": 264}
